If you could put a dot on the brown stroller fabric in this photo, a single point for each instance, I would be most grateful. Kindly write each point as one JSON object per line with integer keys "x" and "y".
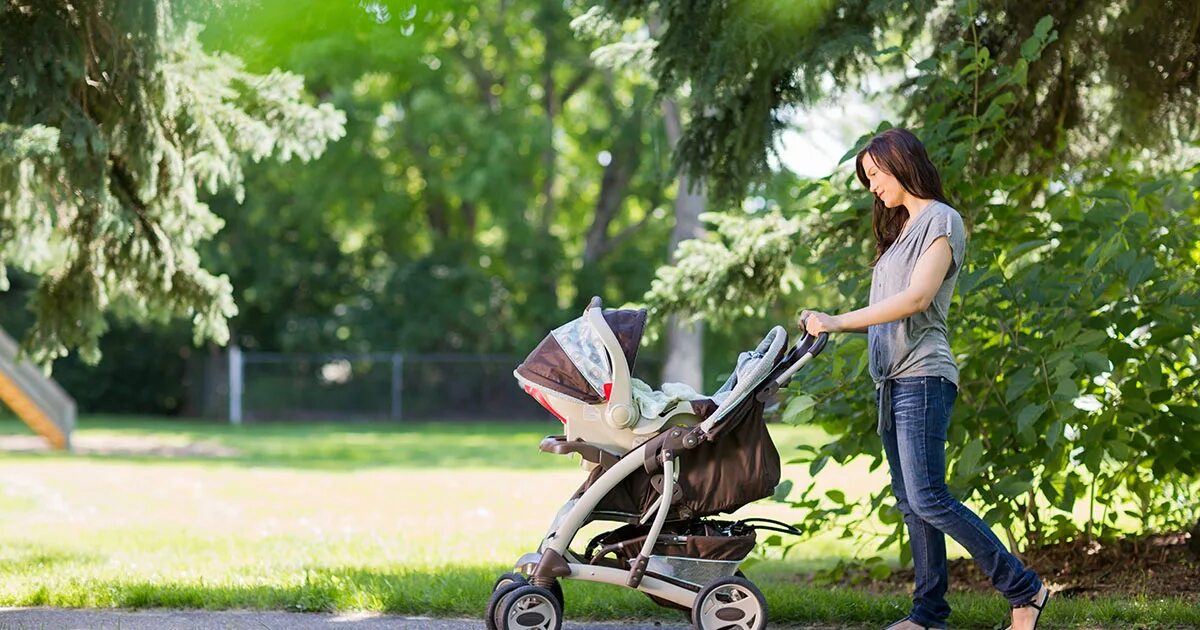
{"x": 699, "y": 539}
{"x": 738, "y": 466}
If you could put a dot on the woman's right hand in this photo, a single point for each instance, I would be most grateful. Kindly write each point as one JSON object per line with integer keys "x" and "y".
{"x": 803, "y": 316}
{"x": 816, "y": 322}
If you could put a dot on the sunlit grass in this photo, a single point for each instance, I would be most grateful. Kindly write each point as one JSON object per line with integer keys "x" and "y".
{"x": 412, "y": 518}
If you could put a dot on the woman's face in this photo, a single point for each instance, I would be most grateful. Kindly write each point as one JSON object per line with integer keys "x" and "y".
{"x": 882, "y": 184}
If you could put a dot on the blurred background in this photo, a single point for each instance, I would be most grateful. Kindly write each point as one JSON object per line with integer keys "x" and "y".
{"x": 269, "y": 265}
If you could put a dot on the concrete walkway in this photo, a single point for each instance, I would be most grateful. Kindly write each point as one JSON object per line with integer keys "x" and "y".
{"x": 159, "y": 619}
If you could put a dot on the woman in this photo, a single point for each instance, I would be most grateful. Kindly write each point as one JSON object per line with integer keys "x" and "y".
{"x": 919, "y": 246}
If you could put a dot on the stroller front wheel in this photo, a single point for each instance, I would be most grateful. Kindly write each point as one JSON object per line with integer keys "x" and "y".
{"x": 730, "y": 602}
{"x": 529, "y": 607}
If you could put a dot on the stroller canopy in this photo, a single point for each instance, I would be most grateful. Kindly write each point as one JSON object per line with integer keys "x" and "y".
{"x": 572, "y": 361}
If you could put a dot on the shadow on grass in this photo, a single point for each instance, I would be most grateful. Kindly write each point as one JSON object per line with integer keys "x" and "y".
{"x": 16, "y": 557}
{"x": 462, "y": 592}
{"x": 507, "y": 445}
{"x": 426, "y": 445}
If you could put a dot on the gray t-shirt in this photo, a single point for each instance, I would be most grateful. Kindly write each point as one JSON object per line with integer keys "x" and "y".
{"x": 916, "y": 345}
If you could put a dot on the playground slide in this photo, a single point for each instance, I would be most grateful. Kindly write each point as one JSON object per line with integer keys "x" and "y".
{"x": 35, "y": 397}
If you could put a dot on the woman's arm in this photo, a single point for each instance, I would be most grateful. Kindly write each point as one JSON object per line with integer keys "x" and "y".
{"x": 927, "y": 277}
{"x": 923, "y": 285}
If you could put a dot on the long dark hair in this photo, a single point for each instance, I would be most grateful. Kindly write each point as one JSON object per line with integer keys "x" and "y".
{"x": 899, "y": 153}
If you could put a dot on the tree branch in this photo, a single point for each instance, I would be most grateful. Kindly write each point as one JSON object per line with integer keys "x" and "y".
{"x": 125, "y": 188}
{"x": 579, "y": 81}
{"x": 484, "y": 80}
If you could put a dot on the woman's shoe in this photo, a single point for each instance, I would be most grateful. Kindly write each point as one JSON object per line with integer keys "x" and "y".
{"x": 1038, "y": 603}
{"x": 907, "y": 624}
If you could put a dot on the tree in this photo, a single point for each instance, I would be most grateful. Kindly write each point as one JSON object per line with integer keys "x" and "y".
{"x": 439, "y": 235}
{"x": 115, "y": 123}
{"x": 1118, "y": 73}
{"x": 625, "y": 49}
{"x": 1076, "y": 353}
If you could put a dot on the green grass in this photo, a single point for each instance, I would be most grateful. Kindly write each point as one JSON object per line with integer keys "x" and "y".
{"x": 408, "y": 518}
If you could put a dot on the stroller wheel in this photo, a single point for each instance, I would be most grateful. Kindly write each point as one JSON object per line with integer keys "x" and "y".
{"x": 518, "y": 578}
{"x": 730, "y": 603}
{"x": 509, "y": 578}
{"x": 529, "y": 607}
{"x": 503, "y": 587}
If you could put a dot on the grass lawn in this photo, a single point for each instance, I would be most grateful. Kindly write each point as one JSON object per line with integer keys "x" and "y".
{"x": 410, "y": 518}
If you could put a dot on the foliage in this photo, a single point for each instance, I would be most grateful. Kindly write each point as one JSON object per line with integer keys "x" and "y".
{"x": 1118, "y": 73}
{"x": 732, "y": 276}
{"x": 472, "y": 210}
{"x": 490, "y": 179}
{"x": 1079, "y": 383}
{"x": 115, "y": 123}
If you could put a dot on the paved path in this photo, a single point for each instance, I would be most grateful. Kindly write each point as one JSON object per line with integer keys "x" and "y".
{"x": 159, "y": 619}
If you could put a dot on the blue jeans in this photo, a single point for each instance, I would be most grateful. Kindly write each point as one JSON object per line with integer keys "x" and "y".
{"x": 916, "y": 454}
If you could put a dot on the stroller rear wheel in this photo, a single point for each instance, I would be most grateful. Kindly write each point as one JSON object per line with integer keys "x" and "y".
{"x": 529, "y": 607}
{"x": 506, "y": 584}
{"x": 730, "y": 603}
{"x": 509, "y": 578}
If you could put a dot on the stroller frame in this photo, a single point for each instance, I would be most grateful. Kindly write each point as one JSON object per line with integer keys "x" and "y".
{"x": 554, "y": 560}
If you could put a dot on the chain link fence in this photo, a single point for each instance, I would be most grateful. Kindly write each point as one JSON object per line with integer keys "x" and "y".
{"x": 273, "y": 386}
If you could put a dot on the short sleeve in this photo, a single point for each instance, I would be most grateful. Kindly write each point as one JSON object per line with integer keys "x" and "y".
{"x": 947, "y": 223}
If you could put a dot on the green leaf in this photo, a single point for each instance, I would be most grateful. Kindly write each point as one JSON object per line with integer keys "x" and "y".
{"x": 1054, "y": 433}
{"x": 968, "y": 462}
{"x": 1021, "y": 381}
{"x": 880, "y": 571}
{"x": 889, "y": 514}
{"x": 817, "y": 464}
{"x": 1028, "y": 415}
{"x": 1096, "y": 361}
{"x": 1066, "y": 501}
{"x": 1090, "y": 338}
{"x": 1141, "y": 270}
{"x": 1013, "y": 487}
{"x": 1024, "y": 248}
{"x": 799, "y": 410}
{"x": 1067, "y": 389}
{"x": 852, "y": 152}
{"x": 1147, "y": 189}
{"x": 782, "y": 490}
{"x": 1043, "y": 27}
{"x": 1031, "y": 48}
{"x": 837, "y": 496}
{"x": 1120, "y": 450}
{"x": 1160, "y": 396}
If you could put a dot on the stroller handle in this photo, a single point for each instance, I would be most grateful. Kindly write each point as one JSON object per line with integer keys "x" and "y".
{"x": 808, "y": 347}
{"x": 810, "y": 344}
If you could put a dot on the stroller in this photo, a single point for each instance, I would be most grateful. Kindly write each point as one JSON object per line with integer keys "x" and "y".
{"x": 659, "y": 462}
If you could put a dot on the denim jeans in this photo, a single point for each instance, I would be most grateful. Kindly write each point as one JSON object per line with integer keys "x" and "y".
{"x": 916, "y": 452}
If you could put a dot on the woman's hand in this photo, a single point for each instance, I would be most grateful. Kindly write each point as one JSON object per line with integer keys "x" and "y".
{"x": 816, "y": 322}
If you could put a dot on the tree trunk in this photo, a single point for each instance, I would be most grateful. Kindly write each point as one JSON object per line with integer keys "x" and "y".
{"x": 685, "y": 342}
{"x": 625, "y": 157}
{"x": 549, "y": 154}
